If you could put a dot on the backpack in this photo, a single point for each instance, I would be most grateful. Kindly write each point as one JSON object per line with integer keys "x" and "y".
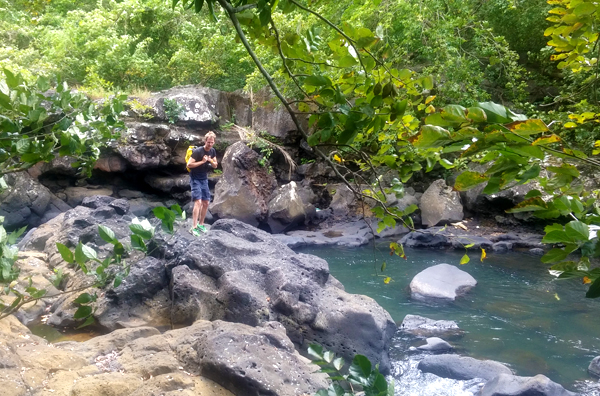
{"x": 188, "y": 155}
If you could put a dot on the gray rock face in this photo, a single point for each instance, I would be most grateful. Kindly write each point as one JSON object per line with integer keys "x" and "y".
{"x": 512, "y": 385}
{"x": 24, "y": 202}
{"x": 169, "y": 183}
{"x": 235, "y": 273}
{"x": 76, "y": 195}
{"x": 241, "y": 360}
{"x": 350, "y": 234}
{"x": 442, "y": 281}
{"x": 457, "y": 238}
{"x": 343, "y": 200}
{"x": 425, "y": 239}
{"x": 462, "y": 368}
{"x": 244, "y": 190}
{"x": 269, "y": 364}
{"x": 594, "y": 367}
{"x": 286, "y": 209}
{"x": 477, "y": 202}
{"x": 440, "y": 204}
{"x": 256, "y": 279}
{"x": 425, "y": 327}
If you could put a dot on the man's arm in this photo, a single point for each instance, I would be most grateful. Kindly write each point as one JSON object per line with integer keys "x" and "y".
{"x": 213, "y": 162}
{"x": 192, "y": 163}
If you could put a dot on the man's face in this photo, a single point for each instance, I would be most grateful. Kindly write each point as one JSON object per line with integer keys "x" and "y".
{"x": 209, "y": 143}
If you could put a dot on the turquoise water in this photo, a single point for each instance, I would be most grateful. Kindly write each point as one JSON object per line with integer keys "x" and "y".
{"x": 517, "y": 314}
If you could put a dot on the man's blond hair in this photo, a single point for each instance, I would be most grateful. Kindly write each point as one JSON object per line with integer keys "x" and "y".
{"x": 210, "y": 134}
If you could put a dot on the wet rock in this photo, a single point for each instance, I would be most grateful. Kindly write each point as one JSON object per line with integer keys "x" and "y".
{"x": 462, "y": 368}
{"x": 425, "y": 239}
{"x": 440, "y": 205}
{"x": 512, "y": 385}
{"x": 442, "y": 281}
{"x": 594, "y": 367}
{"x": 537, "y": 251}
{"x": 502, "y": 247}
{"x": 425, "y": 327}
{"x": 435, "y": 345}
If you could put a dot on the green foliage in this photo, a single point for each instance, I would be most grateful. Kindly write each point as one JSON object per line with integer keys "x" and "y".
{"x": 361, "y": 377}
{"x": 141, "y": 109}
{"x": 8, "y": 254}
{"x": 120, "y": 44}
{"x": 381, "y": 116}
{"x": 172, "y": 109}
{"x": 37, "y": 124}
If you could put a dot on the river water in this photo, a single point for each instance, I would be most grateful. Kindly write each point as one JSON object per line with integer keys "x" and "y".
{"x": 517, "y": 314}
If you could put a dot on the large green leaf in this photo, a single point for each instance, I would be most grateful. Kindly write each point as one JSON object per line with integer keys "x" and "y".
{"x": 360, "y": 369}
{"x": 467, "y": 180}
{"x": 65, "y": 253}
{"x": 594, "y": 290}
{"x": 82, "y": 312}
{"x": 106, "y": 234}
{"x": 577, "y": 231}
{"x": 529, "y": 127}
{"x": 495, "y": 112}
{"x": 529, "y": 205}
{"x": 554, "y": 255}
{"x": 432, "y": 136}
{"x": 556, "y": 237}
{"x": 317, "y": 81}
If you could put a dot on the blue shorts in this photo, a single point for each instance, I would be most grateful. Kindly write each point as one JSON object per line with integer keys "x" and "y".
{"x": 200, "y": 189}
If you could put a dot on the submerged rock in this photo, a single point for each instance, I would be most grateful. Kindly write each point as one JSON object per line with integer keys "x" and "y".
{"x": 512, "y": 385}
{"x": 462, "y": 368}
{"x": 436, "y": 345}
{"x": 442, "y": 281}
{"x": 425, "y": 327}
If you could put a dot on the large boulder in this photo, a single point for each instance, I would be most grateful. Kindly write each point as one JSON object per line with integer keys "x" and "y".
{"x": 25, "y": 201}
{"x": 244, "y": 190}
{"x": 594, "y": 367}
{"x": 286, "y": 209}
{"x": 461, "y": 367}
{"x": 207, "y": 358}
{"x": 440, "y": 205}
{"x": 235, "y": 273}
{"x": 256, "y": 279}
{"x": 512, "y": 385}
{"x": 442, "y": 281}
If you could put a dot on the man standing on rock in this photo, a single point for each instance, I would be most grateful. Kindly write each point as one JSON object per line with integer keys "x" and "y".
{"x": 202, "y": 159}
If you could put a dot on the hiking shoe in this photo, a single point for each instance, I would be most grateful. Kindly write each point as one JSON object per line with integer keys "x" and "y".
{"x": 195, "y": 231}
{"x": 201, "y": 228}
